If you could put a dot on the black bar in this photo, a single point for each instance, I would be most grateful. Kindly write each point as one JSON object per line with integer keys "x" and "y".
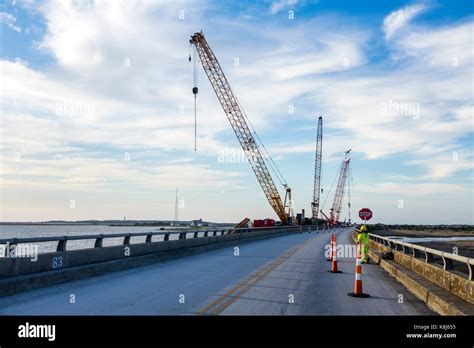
{"x": 260, "y": 330}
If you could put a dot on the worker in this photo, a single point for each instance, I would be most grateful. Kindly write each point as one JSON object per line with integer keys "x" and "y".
{"x": 363, "y": 242}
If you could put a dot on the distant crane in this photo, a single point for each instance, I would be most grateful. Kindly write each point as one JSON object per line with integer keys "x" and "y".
{"x": 240, "y": 124}
{"x": 317, "y": 170}
{"x": 341, "y": 183}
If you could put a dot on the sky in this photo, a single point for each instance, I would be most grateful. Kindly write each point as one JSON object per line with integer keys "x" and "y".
{"x": 97, "y": 118}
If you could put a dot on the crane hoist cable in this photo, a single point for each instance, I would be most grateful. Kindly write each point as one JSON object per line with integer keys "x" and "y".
{"x": 266, "y": 154}
{"x": 195, "y": 89}
{"x": 349, "y": 180}
{"x": 330, "y": 190}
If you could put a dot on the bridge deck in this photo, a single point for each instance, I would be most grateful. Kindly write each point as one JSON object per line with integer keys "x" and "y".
{"x": 259, "y": 281}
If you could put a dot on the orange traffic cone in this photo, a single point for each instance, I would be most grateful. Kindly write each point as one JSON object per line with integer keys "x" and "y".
{"x": 334, "y": 257}
{"x": 358, "y": 278}
{"x": 332, "y": 248}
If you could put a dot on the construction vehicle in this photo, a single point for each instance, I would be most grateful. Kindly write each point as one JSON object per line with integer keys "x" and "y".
{"x": 317, "y": 171}
{"x": 242, "y": 128}
{"x": 264, "y": 223}
{"x": 241, "y": 224}
{"x": 335, "y": 211}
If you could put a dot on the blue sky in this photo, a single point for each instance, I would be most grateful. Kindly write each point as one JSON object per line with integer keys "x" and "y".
{"x": 97, "y": 107}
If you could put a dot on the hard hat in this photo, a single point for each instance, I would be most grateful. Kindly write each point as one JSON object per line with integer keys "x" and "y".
{"x": 363, "y": 228}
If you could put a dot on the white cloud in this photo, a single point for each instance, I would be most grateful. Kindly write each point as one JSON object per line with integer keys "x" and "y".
{"x": 10, "y": 21}
{"x": 279, "y": 5}
{"x": 73, "y": 172}
{"x": 397, "y": 20}
{"x": 411, "y": 189}
{"x": 450, "y": 46}
{"x": 446, "y": 164}
{"x": 107, "y": 108}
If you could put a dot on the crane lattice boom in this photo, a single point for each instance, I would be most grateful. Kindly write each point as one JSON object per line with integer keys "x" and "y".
{"x": 341, "y": 183}
{"x": 237, "y": 121}
{"x": 317, "y": 170}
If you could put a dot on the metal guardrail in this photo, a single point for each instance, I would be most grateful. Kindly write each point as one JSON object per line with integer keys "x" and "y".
{"x": 99, "y": 238}
{"x": 447, "y": 258}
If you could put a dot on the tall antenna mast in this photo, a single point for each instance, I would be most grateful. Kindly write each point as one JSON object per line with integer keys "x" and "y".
{"x": 176, "y": 207}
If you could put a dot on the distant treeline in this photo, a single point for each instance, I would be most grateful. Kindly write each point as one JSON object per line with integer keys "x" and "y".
{"x": 421, "y": 227}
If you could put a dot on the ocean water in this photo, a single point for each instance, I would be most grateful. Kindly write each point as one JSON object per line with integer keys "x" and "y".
{"x": 25, "y": 231}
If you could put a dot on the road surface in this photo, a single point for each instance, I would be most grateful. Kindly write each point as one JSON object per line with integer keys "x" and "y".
{"x": 287, "y": 275}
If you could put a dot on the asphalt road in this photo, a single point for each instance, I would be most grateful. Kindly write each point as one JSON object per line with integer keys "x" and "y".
{"x": 286, "y": 275}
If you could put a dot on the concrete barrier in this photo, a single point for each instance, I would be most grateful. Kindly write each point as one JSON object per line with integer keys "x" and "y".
{"x": 444, "y": 292}
{"x": 451, "y": 281}
{"x": 21, "y": 274}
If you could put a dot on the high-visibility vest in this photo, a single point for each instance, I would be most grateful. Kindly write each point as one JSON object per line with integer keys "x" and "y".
{"x": 363, "y": 240}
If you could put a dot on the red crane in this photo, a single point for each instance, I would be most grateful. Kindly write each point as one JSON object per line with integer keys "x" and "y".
{"x": 335, "y": 211}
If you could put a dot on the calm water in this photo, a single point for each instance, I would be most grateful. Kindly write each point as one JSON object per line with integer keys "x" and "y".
{"x": 23, "y": 231}
{"x": 430, "y": 239}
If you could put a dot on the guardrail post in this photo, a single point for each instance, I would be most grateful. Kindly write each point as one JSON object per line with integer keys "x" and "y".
{"x": 222, "y": 232}
{"x": 428, "y": 257}
{"x": 10, "y": 243}
{"x": 126, "y": 239}
{"x": 196, "y": 234}
{"x": 182, "y": 235}
{"x": 166, "y": 237}
{"x": 448, "y": 263}
{"x": 214, "y": 233}
{"x": 148, "y": 237}
{"x": 98, "y": 241}
{"x": 62, "y": 244}
{"x": 206, "y": 233}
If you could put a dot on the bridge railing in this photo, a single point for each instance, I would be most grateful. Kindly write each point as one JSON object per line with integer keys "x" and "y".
{"x": 99, "y": 238}
{"x": 415, "y": 250}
